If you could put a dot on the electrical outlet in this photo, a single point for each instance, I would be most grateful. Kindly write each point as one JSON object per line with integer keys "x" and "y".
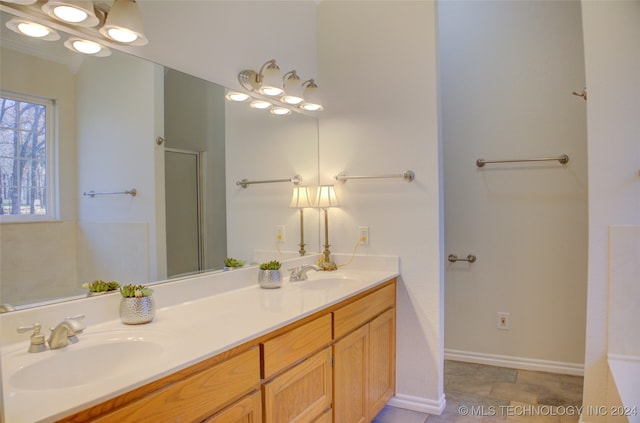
{"x": 280, "y": 233}
{"x": 504, "y": 322}
{"x": 364, "y": 234}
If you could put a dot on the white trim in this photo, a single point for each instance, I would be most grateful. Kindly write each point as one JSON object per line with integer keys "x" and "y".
{"x": 423, "y": 405}
{"x": 523, "y": 363}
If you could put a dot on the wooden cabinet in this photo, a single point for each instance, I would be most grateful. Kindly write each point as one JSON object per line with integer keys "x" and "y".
{"x": 350, "y": 374}
{"x": 196, "y": 397}
{"x": 364, "y": 359}
{"x": 336, "y": 365}
{"x": 302, "y": 393}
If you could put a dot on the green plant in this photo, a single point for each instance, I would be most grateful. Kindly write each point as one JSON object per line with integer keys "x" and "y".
{"x": 271, "y": 265}
{"x": 101, "y": 286}
{"x": 135, "y": 291}
{"x": 233, "y": 262}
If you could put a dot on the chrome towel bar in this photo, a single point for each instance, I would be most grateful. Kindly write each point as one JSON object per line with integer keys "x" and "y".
{"x": 132, "y": 192}
{"x": 407, "y": 175}
{"x": 562, "y": 159}
{"x": 454, "y": 258}
{"x": 296, "y": 180}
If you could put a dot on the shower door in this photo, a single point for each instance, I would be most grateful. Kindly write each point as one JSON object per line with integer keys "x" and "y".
{"x": 183, "y": 212}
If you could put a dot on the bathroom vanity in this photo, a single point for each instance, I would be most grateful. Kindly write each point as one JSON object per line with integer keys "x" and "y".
{"x": 313, "y": 351}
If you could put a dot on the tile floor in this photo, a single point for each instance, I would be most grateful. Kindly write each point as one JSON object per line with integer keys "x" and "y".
{"x": 478, "y": 393}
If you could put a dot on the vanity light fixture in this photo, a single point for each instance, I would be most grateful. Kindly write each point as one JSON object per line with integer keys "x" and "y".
{"x": 236, "y": 96}
{"x": 311, "y": 96}
{"x": 76, "y": 12}
{"x": 292, "y": 88}
{"x": 79, "y": 45}
{"x": 301, "y": 200}
{"x": 124, "y": 23}
{"x": 23, "y": 2}
{"x": 260, "y": 104}
{"x": 280, "y": 111}
{"x": 267, "y": 81}
{"x": 326, "y": 198}
{"x": 32, "y": 29}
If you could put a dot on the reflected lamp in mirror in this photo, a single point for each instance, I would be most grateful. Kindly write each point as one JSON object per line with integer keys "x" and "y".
{"x": 288, "y": 89}
{"x": 325, "y": 199}
{"x": 32, "y": 29}
{"x": 301, "y": 200}
{"x": 121, "y": 22}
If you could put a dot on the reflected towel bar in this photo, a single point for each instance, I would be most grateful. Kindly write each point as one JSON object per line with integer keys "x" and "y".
{"x": 454, "y": 258}
{"x": 296, "y": 180}
{"x": 562, "y": 159}
{"x": 407, "y": 175}
{"x": 132, "y": 192}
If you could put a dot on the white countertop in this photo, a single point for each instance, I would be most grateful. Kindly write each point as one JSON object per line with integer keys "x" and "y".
{"x": 188, "y": 332}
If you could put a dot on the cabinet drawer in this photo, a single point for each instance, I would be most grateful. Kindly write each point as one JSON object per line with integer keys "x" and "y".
{"x": 197, "y": 396}
{"x": 296, "y": 344}
{"x": 356, "y": 314}
{"x": 301, "y": 393}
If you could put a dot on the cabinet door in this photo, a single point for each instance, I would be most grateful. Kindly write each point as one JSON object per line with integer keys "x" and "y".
{"x": 382, "y": 347}
{"x": 247, "y": 410}
{"x": 300, "y": 394}
{"x": 350, "y": 375}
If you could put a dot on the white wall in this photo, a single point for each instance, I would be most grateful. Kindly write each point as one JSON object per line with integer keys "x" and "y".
{"x": 507, "y": 73}
{"x": 612, "y": 59}
{"x": 378, "y": 74}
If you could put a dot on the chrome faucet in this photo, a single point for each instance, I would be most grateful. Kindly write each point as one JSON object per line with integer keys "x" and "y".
{"x": 300, "y": 273}
{"x": 65, "y": 332}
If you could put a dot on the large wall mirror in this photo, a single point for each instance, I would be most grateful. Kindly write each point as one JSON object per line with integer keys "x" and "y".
{"x": 188, "y": 213}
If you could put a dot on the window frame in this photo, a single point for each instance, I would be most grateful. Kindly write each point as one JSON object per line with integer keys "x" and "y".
{"x": 51, "y": 173}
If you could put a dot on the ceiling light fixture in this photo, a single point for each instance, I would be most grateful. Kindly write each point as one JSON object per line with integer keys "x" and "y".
{"x": 32, "y": 29}
{"x": 124, "y": 23}
{"x": 77, "y": 12}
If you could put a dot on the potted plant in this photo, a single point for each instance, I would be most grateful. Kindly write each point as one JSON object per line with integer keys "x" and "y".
{"x": 269, "y": 274}
{"x": 136, "y": 304}
{"x": 99, "y": 287}
{"x": 232, "y": 263}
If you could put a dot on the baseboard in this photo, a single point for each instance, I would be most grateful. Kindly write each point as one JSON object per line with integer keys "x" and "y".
{"x": 515, "y": 362}
{"x": 423, "y": 405}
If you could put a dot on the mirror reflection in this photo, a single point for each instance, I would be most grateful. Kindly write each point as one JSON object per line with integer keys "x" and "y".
{"x": 103, "y": 120}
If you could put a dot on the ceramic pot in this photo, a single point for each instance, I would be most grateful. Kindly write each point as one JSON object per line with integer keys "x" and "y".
{"x": 269, "y": 279}
{"x": 135, "y": 311}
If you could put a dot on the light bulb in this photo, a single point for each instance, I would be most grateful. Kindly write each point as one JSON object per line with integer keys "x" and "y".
{"x": 33, "y": 29}
{"x": 86, "y": 47}
{"x": 280, "y": 111}
{"x": 235, "y": 96}
{"x": 70, "y": 14}
{"x": 122, "y": 34}
{"x": 260, "y": 104}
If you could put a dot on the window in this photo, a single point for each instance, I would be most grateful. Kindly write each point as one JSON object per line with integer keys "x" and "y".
{"x": 26, "y": 158}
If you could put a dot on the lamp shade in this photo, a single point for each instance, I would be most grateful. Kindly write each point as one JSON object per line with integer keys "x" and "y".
{"x": 300, "y": 198}
{"x": 326, "y": 197}
{"x": 124, "y": 23}
{"x": 292, "y": 88}
{"x": 77, "y": 12}
{"x": 271, "y": 80}
{"x": 311, "y": 96}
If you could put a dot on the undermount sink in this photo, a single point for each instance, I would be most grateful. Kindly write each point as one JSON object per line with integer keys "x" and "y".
{"x": 327, "y": 283}
{"x": 78, "y": 364}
